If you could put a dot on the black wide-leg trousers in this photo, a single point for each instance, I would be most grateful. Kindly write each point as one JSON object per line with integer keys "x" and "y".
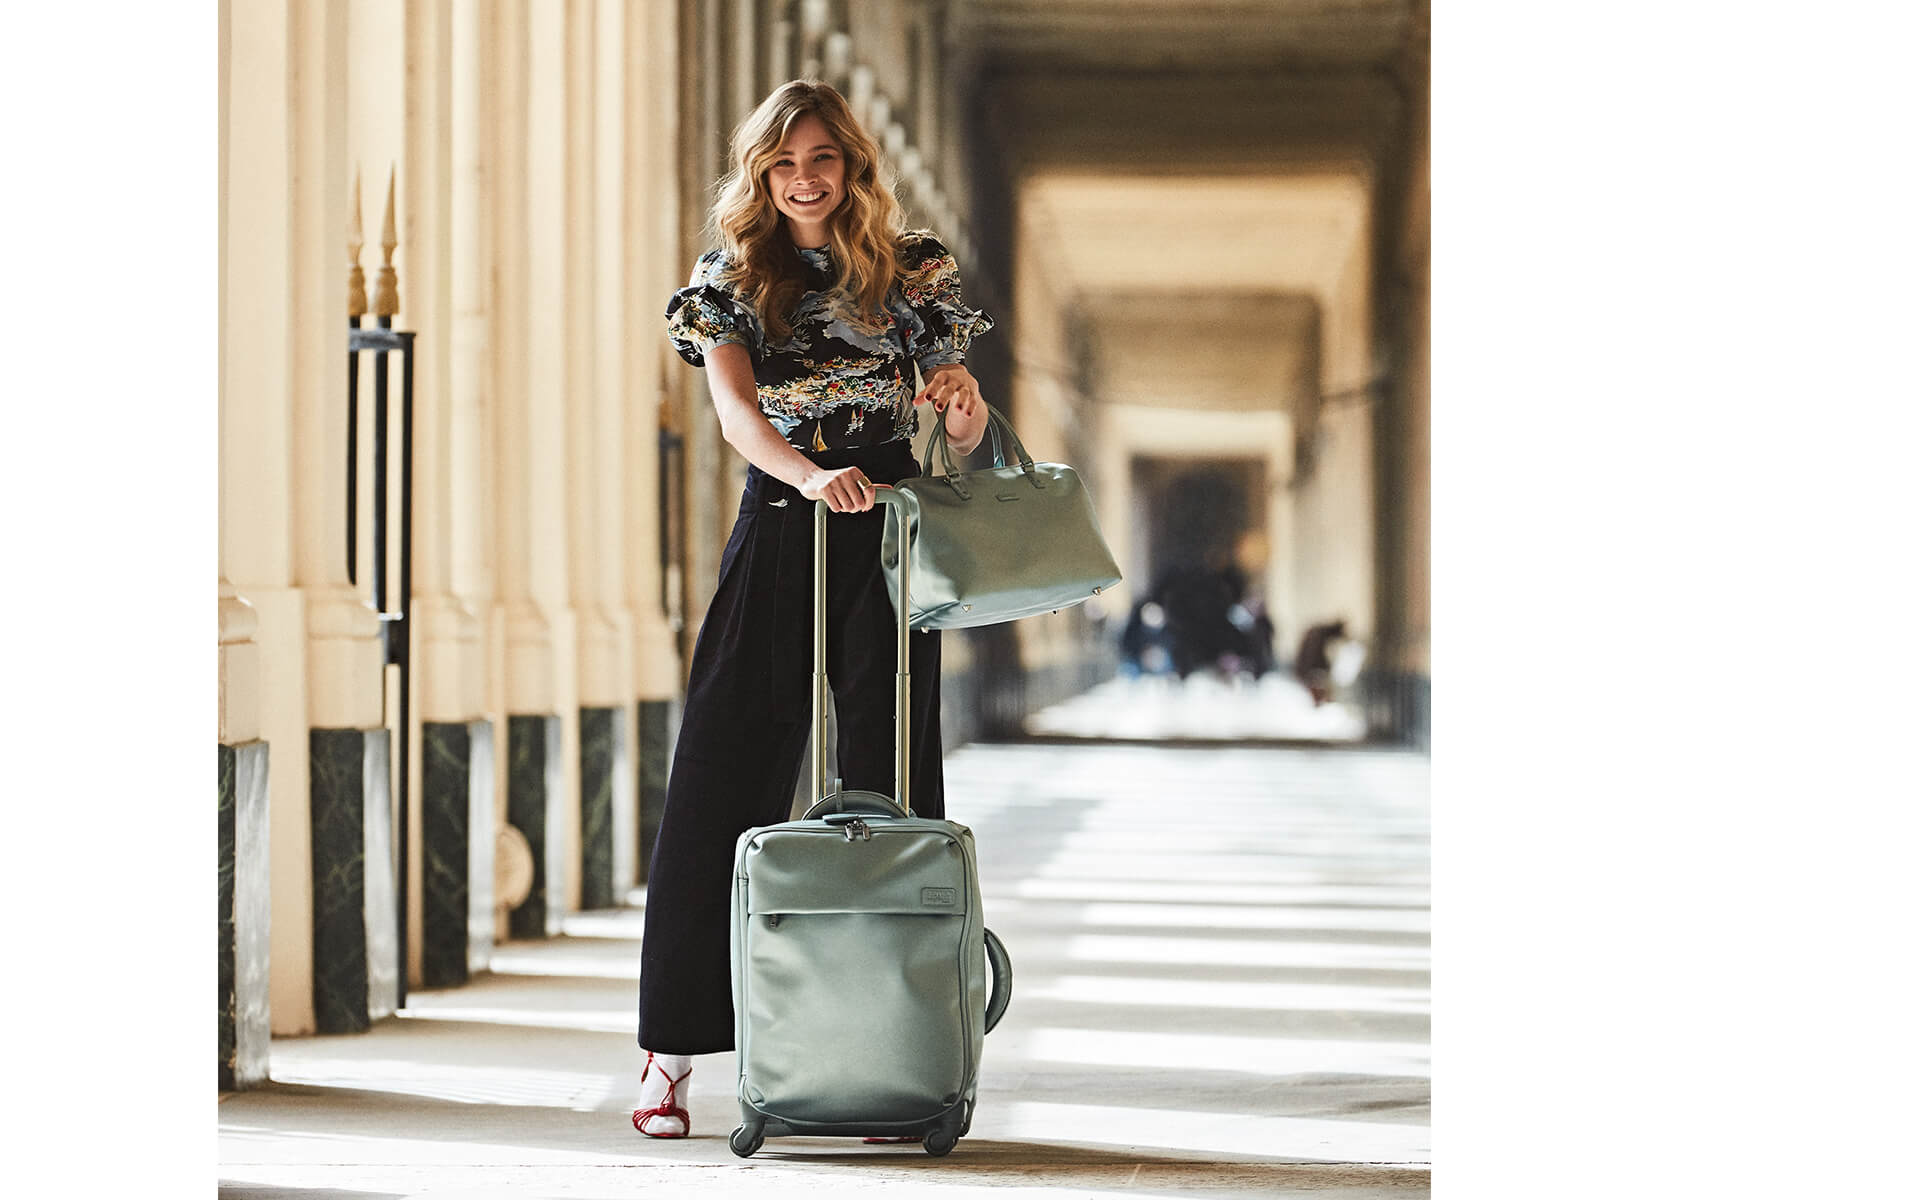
{"x": 745, "y": 729}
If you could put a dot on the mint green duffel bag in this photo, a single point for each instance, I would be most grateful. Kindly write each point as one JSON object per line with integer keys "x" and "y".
{"x": 995, "y": 545}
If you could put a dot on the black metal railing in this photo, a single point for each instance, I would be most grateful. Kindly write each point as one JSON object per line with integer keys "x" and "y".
{"x": 393, "y": 604}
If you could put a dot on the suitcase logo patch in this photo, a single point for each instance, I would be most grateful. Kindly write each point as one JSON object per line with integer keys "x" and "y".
{"x": 934, "y": 897}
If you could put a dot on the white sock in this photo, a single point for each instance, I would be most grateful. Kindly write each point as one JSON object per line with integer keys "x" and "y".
{"x": 653, "y": 1089}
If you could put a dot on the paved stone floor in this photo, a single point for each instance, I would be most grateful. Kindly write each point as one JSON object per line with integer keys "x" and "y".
{"x": 1221, "y": 989}
{"x": 1202, "y": 707}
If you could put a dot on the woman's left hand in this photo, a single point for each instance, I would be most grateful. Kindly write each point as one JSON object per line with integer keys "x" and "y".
{"x": 953, "y": 390}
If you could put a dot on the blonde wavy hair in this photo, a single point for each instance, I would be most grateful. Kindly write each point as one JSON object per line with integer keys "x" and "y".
{"x": 864, "y": 232}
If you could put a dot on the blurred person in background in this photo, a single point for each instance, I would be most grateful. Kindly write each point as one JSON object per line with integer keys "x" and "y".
{"x": 1197, "y": 601}
{"x": 1255, "y": 656}
{"x": 1313, "y": 661}
{"x": 1143, "y": 641}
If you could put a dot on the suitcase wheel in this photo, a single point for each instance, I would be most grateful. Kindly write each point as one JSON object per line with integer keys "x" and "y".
{"x": 745, "y": 1141}
{"x": 940, "y": 1141}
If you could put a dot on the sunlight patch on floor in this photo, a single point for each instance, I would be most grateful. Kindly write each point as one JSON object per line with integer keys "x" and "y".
{"x": 1213, "y": 892}
{"x": 1120, "y": 991}
{"x": 605, "y": 1021}
{"x": 1231, "y": 952}
{"x": 1205, "y": 1132}
{"x": 489, "y": 1084}
{"x": 1202, "y": 916}
{"x": 549, "y": 960}
{"x": 1201, "y": 707}
{"x": 1223, "y": 1052}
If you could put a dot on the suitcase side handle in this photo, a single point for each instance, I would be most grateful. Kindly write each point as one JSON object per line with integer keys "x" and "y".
{"x": 1002, "y": 992}
{"x": 882, "y": 494}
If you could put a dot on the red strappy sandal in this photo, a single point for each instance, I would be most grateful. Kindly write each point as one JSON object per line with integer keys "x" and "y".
{"x": 666, "y": 1107}
{"x": 891, "y": 1141}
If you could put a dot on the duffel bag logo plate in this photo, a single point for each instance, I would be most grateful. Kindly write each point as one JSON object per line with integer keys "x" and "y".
{"x": 938, "y": 897}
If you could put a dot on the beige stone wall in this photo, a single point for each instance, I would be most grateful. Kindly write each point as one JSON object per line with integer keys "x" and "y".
{"x": 1046, "y": 402}
{"x": 1333, "y": 534}
{"x": 535, "y": 155}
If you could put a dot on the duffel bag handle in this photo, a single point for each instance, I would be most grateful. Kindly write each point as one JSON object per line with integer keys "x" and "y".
{"x": 995, "y": 422}
{"x": 1002, "y": 980}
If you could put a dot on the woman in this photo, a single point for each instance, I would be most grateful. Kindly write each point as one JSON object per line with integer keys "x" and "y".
{"x": 809, "y": 321}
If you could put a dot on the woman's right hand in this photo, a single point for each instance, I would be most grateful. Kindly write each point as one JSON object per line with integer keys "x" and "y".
{"x": 845, "y": 490}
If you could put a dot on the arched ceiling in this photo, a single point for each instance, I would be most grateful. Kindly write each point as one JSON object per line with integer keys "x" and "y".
{"x": 1158, "y": 35}
{"x": 1194, "y": 158}
{"x": 1199, "y": 233}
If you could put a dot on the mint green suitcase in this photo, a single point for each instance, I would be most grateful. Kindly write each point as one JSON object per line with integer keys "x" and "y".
{"x": 861, "y": 995}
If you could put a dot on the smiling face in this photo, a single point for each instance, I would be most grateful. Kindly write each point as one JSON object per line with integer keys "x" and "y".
{"x": 808, "y": 180}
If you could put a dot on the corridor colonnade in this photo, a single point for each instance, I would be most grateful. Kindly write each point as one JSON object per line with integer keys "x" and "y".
{"x": 550, "y": 163}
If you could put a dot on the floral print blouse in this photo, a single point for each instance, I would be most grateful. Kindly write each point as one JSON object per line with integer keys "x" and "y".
{"x": 835, "y": 385}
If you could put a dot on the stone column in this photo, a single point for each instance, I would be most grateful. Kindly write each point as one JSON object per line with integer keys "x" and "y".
{"x": 1334, "y": 537}
{"x": 782, "y": 35}
{"x": 451, "y": 925}
{"x": 256, "y": 467}
{"x": 1397, "y": 681}
{"x": 540, "y": 659}
{"x": 746, "y": 58}
{"x": 476, "y": 330}
{"x": 591, "y": 447}
{"x": 283, "y": 529}
{"x": 654, "y": 267}
{"x": 706, "y": 453}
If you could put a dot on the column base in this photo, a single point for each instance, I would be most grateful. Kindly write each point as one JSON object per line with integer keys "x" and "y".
{"x": 456, "y": 777}
{"x": 1399, "y": 706}
{"x": 652, "y": 762}
{"x": 608, "y": 821}
{"x": 355, "y": 938}
{"x": 245, "y": 912}
{"x": 535, "y": 787}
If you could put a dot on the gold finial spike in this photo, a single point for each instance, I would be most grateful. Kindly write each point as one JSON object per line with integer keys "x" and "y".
{"x": 386, "y": 288}
{"x": 388, "y": 238}
{"x": 356, "y": 278}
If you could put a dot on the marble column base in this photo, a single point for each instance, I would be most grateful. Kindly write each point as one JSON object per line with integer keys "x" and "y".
{"x": 1399, "y": 706}
{"x": 598, "y": 734}
{"x": 245, "y": 907}
{"x": 624, "y": 833}
{"x": 456, "y": 776}
{"x": 535, "y": 790}
{"x": 355, "y": 938}
{"x": 651, "y": 762}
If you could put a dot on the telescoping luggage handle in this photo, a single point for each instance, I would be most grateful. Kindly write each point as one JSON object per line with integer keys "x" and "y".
{"x": 882, "y": 494}
{"x": 1002, "y": 966}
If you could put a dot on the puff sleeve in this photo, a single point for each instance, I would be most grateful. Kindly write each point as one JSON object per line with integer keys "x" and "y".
{"x": 930, "y": 284}
{"x": 706, "y": 313}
